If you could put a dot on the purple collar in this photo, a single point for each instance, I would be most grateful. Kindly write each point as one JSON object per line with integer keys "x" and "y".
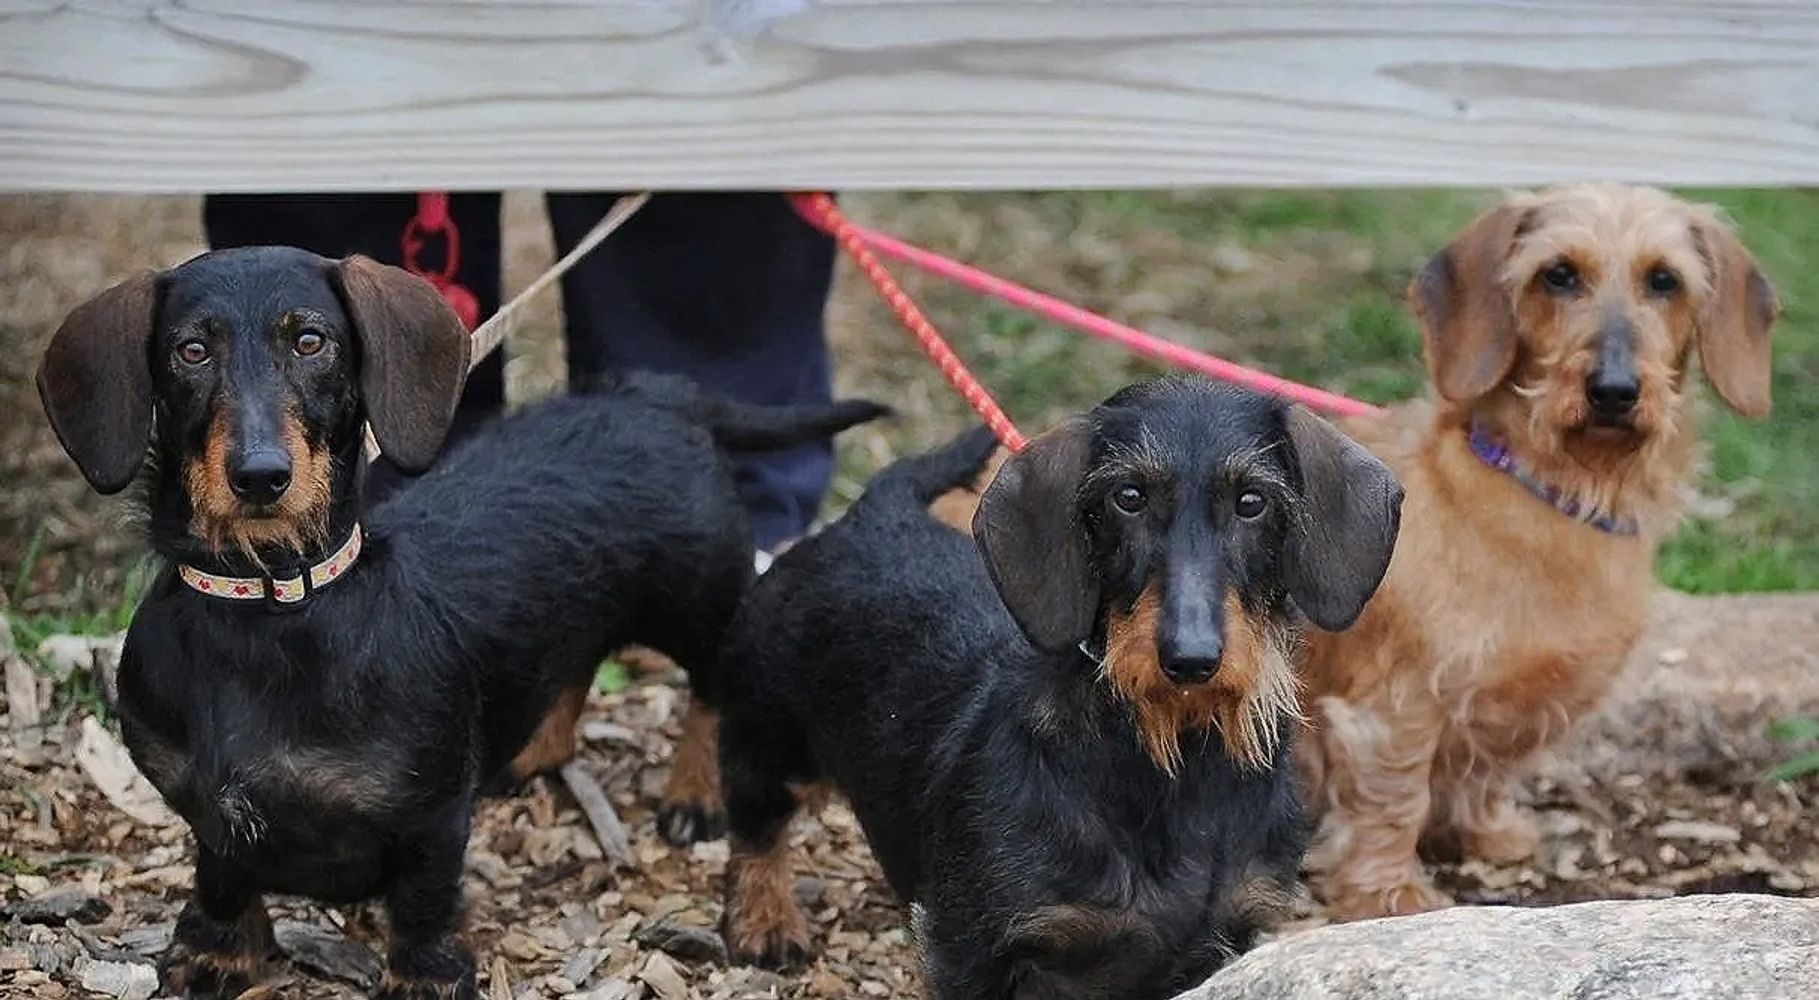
{"x": 1496, "y": 454}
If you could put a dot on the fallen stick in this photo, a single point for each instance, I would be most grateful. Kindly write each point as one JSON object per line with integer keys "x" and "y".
{"x": 600, "y": 815}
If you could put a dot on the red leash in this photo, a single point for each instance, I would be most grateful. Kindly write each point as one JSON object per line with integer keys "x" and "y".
{"x": 1057, "y": 311}
{"x": 820, "y": 211}
{"x": 433, "y": 221}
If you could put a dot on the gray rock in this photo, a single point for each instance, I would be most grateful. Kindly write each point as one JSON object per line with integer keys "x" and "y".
{"x": 126, "y": 980}
{"x": 58, "y": 905}
{"x": 1692, "y": 948}
{"x": 328, "y": 953}
{"x": 691, "y": 944}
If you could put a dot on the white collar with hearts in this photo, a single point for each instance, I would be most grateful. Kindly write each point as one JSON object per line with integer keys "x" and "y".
{"x": 279, "y": 591}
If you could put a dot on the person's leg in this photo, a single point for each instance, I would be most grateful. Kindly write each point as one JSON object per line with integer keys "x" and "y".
{"x": 336, "y": 225}
{"x": 727, "y": 289}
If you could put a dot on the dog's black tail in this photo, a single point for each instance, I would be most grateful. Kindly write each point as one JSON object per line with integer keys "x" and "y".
{"x": 919, "y": 479}
{"x": 750, "y": 427}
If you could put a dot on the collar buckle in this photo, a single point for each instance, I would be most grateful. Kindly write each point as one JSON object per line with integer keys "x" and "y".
{"x": 288, "y": 594}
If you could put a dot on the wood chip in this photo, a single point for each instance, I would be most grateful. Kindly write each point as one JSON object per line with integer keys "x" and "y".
{"x": 69, "y": 902}
{"x": 328, "y": 952}
{"x": 66, "y": 654}
{"x": 608, "y": 830}
{"x": 22, "y": 715}
{"x": 662, "y": 976}
{"x": 1699, "y": 831}
{"x": 125, "y": 980}
{"x": 108, "y": 765}
{"x": 501, "y": 987}
{"x": 601, "y": 731}
{"x": 582, "y": 965}
{"x": 614, "y": 989}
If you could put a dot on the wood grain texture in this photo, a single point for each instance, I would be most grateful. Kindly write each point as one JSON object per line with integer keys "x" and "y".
{"x": 161, "y": 95}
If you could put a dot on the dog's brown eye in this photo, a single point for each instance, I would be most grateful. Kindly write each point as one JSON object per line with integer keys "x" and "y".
{"x": 1662, "y": 281}
{"x": 308, "y": 343}
{"x": 1129, "y": 499}
{"x": 193, "y": 352}
{"x": 1561, "y": 277}
{"x": 1250, "y": 505}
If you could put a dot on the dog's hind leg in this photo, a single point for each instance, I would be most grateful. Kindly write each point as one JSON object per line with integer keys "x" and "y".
{"x": 553, "y": 744}
{"x": 691, "y": 809}
{"x": 763, "y": 923}
{"x": 223, "y": 936}
{"x": 426, "y": 960}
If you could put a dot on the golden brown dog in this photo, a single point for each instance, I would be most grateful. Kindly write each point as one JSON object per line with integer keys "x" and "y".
{"x": 1558, "y": 329}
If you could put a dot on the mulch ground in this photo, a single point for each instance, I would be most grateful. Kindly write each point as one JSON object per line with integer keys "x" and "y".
{"x": 551, "y": 918}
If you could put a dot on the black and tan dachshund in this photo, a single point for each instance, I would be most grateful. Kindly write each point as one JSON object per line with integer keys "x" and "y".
{"x": 1082, "y": 789}
{"x": 321, "y": 694}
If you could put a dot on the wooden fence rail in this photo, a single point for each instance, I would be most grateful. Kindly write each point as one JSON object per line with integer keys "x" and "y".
{"x": 165, "y": 95}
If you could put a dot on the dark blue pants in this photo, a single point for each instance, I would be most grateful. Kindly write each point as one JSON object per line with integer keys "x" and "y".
{"x": 727, "y": 289}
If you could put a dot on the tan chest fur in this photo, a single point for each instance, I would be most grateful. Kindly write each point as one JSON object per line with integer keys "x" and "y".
{"x": 1489, "y": 584}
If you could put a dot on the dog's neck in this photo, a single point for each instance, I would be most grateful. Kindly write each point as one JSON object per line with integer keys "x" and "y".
{"x": 174, "y": 536}
{"x": 1633, "y": 487}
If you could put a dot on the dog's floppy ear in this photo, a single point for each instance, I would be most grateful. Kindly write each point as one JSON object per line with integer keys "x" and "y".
{"x": 1735, "y": 322}
{"x": 1340, "y": 545}
{"x": 413, "y": 357}
{"x": 96, "y": 382}
{"x": 1028, "y": 527}
{"x": 1468, "y": 321}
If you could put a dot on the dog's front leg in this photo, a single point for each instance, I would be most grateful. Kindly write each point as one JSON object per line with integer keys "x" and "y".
{"x": 427, "y": 961}
{"x": 1378, "y": 761}
{"x": 223, "y": 935}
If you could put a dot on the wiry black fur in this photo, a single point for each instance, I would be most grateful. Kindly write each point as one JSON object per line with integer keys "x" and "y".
{"x": 335, "y": 751}
{"x": 1002, "y": 787}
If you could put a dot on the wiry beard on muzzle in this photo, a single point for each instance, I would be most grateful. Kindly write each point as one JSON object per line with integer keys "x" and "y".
{"x": 296, "y": 522}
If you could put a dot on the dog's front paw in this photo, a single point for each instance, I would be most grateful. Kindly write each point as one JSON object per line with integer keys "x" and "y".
{"x": 210, "y": 976}
{"x": 1511, "y": 836}
{"x": 777, "y": 944}
{"x": 685, "y": 823}
{"x": 440, "y": 971}
{"x": 1413, "y": 895}
{"x": 763, "y": 924}
{"x": 213, "y": 958}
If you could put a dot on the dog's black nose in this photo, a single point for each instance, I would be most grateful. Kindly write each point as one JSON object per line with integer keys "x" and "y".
{"x": 1612, "y": 393}
{"x": 261, "y": 477}
{"x": 1191, "y": 659}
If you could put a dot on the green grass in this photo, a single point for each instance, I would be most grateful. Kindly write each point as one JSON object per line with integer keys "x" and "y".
{"x": 1802, "y": 763}
{"x": 80, "y": 693}
{"x": 612, "y": 677}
